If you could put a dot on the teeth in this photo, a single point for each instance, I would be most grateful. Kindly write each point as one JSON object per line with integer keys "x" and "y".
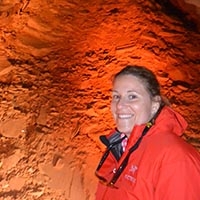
{"x": 124, "y": 116}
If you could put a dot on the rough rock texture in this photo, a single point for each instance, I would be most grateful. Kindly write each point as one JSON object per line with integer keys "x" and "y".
{"x": 191, "y": 8}
{"x": 188, "y": 11}
{"x": 56, "y": 62}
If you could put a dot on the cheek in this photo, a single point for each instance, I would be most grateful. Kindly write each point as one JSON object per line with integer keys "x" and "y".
{"x": 135, "y": 107}
{"x": 113, "y": 108}
{"x": 142, "y": 111}
{"x": 146, "y": 113}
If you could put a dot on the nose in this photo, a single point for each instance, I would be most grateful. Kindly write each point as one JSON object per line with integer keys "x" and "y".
{"x": 121, "y": 103}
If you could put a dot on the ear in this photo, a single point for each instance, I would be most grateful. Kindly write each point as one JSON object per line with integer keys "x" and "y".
{"x": 155, "y": 105}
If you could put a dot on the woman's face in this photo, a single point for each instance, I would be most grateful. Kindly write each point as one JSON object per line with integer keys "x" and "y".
{"x": 131, "y": 103}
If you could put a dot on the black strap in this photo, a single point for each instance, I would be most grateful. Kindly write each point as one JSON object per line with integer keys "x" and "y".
{"x": 131, "y": 150}
{"x": 110, "y": 146}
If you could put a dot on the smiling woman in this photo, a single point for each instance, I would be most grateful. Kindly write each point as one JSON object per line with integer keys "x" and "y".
{"x": 132, "y": 103}
{"x": 145, "y": 156}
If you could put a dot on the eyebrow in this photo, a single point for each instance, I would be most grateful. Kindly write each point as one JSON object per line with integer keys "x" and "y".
{"x": 131, "y": 91}
{"x": 127, "y": 91}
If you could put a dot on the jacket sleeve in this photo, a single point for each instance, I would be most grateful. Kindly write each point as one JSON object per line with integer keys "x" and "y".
{"x": 179, "y": 180}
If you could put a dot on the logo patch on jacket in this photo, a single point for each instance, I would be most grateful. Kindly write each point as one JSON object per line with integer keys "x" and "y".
{"x": 130, "y": 176}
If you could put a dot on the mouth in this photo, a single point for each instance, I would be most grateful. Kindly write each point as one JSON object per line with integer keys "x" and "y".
{"x": 124, "y": 116}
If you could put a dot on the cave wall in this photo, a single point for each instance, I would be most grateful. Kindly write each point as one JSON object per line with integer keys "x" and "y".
{"x": 191, "y": 8}
{"x": 186, "y": 10}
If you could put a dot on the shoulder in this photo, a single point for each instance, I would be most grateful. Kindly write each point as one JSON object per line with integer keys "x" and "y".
{"x": 169, "y": 147}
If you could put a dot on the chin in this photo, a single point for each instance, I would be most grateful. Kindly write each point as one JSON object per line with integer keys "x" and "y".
{"x": 124, "y": 126}
{"x": 123, "y": 130}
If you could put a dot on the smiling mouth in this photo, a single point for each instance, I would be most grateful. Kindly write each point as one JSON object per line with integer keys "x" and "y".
{"x": 124, "y": 116}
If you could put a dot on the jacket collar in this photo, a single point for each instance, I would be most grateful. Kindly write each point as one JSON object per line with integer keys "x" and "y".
{"x": 167, "y": 121}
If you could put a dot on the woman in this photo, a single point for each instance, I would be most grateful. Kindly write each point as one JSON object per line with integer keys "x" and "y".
{"x": 145, "y": 158}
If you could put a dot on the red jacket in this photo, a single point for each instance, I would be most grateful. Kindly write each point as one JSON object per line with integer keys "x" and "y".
{"x": 164, "y": 167}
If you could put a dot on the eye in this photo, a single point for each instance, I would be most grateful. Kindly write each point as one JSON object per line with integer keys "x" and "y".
{"x": 132, "y": 96}
{"x": 115, "y": 97}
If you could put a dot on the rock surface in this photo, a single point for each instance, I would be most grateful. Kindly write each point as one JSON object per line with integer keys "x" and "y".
{"x": 191, "y": 8}
{"x": 57, "y": 58}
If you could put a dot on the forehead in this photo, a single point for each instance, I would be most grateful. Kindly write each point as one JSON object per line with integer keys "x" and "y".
{"x": 128, "y": 79}
{"x": 129, "y": 82}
